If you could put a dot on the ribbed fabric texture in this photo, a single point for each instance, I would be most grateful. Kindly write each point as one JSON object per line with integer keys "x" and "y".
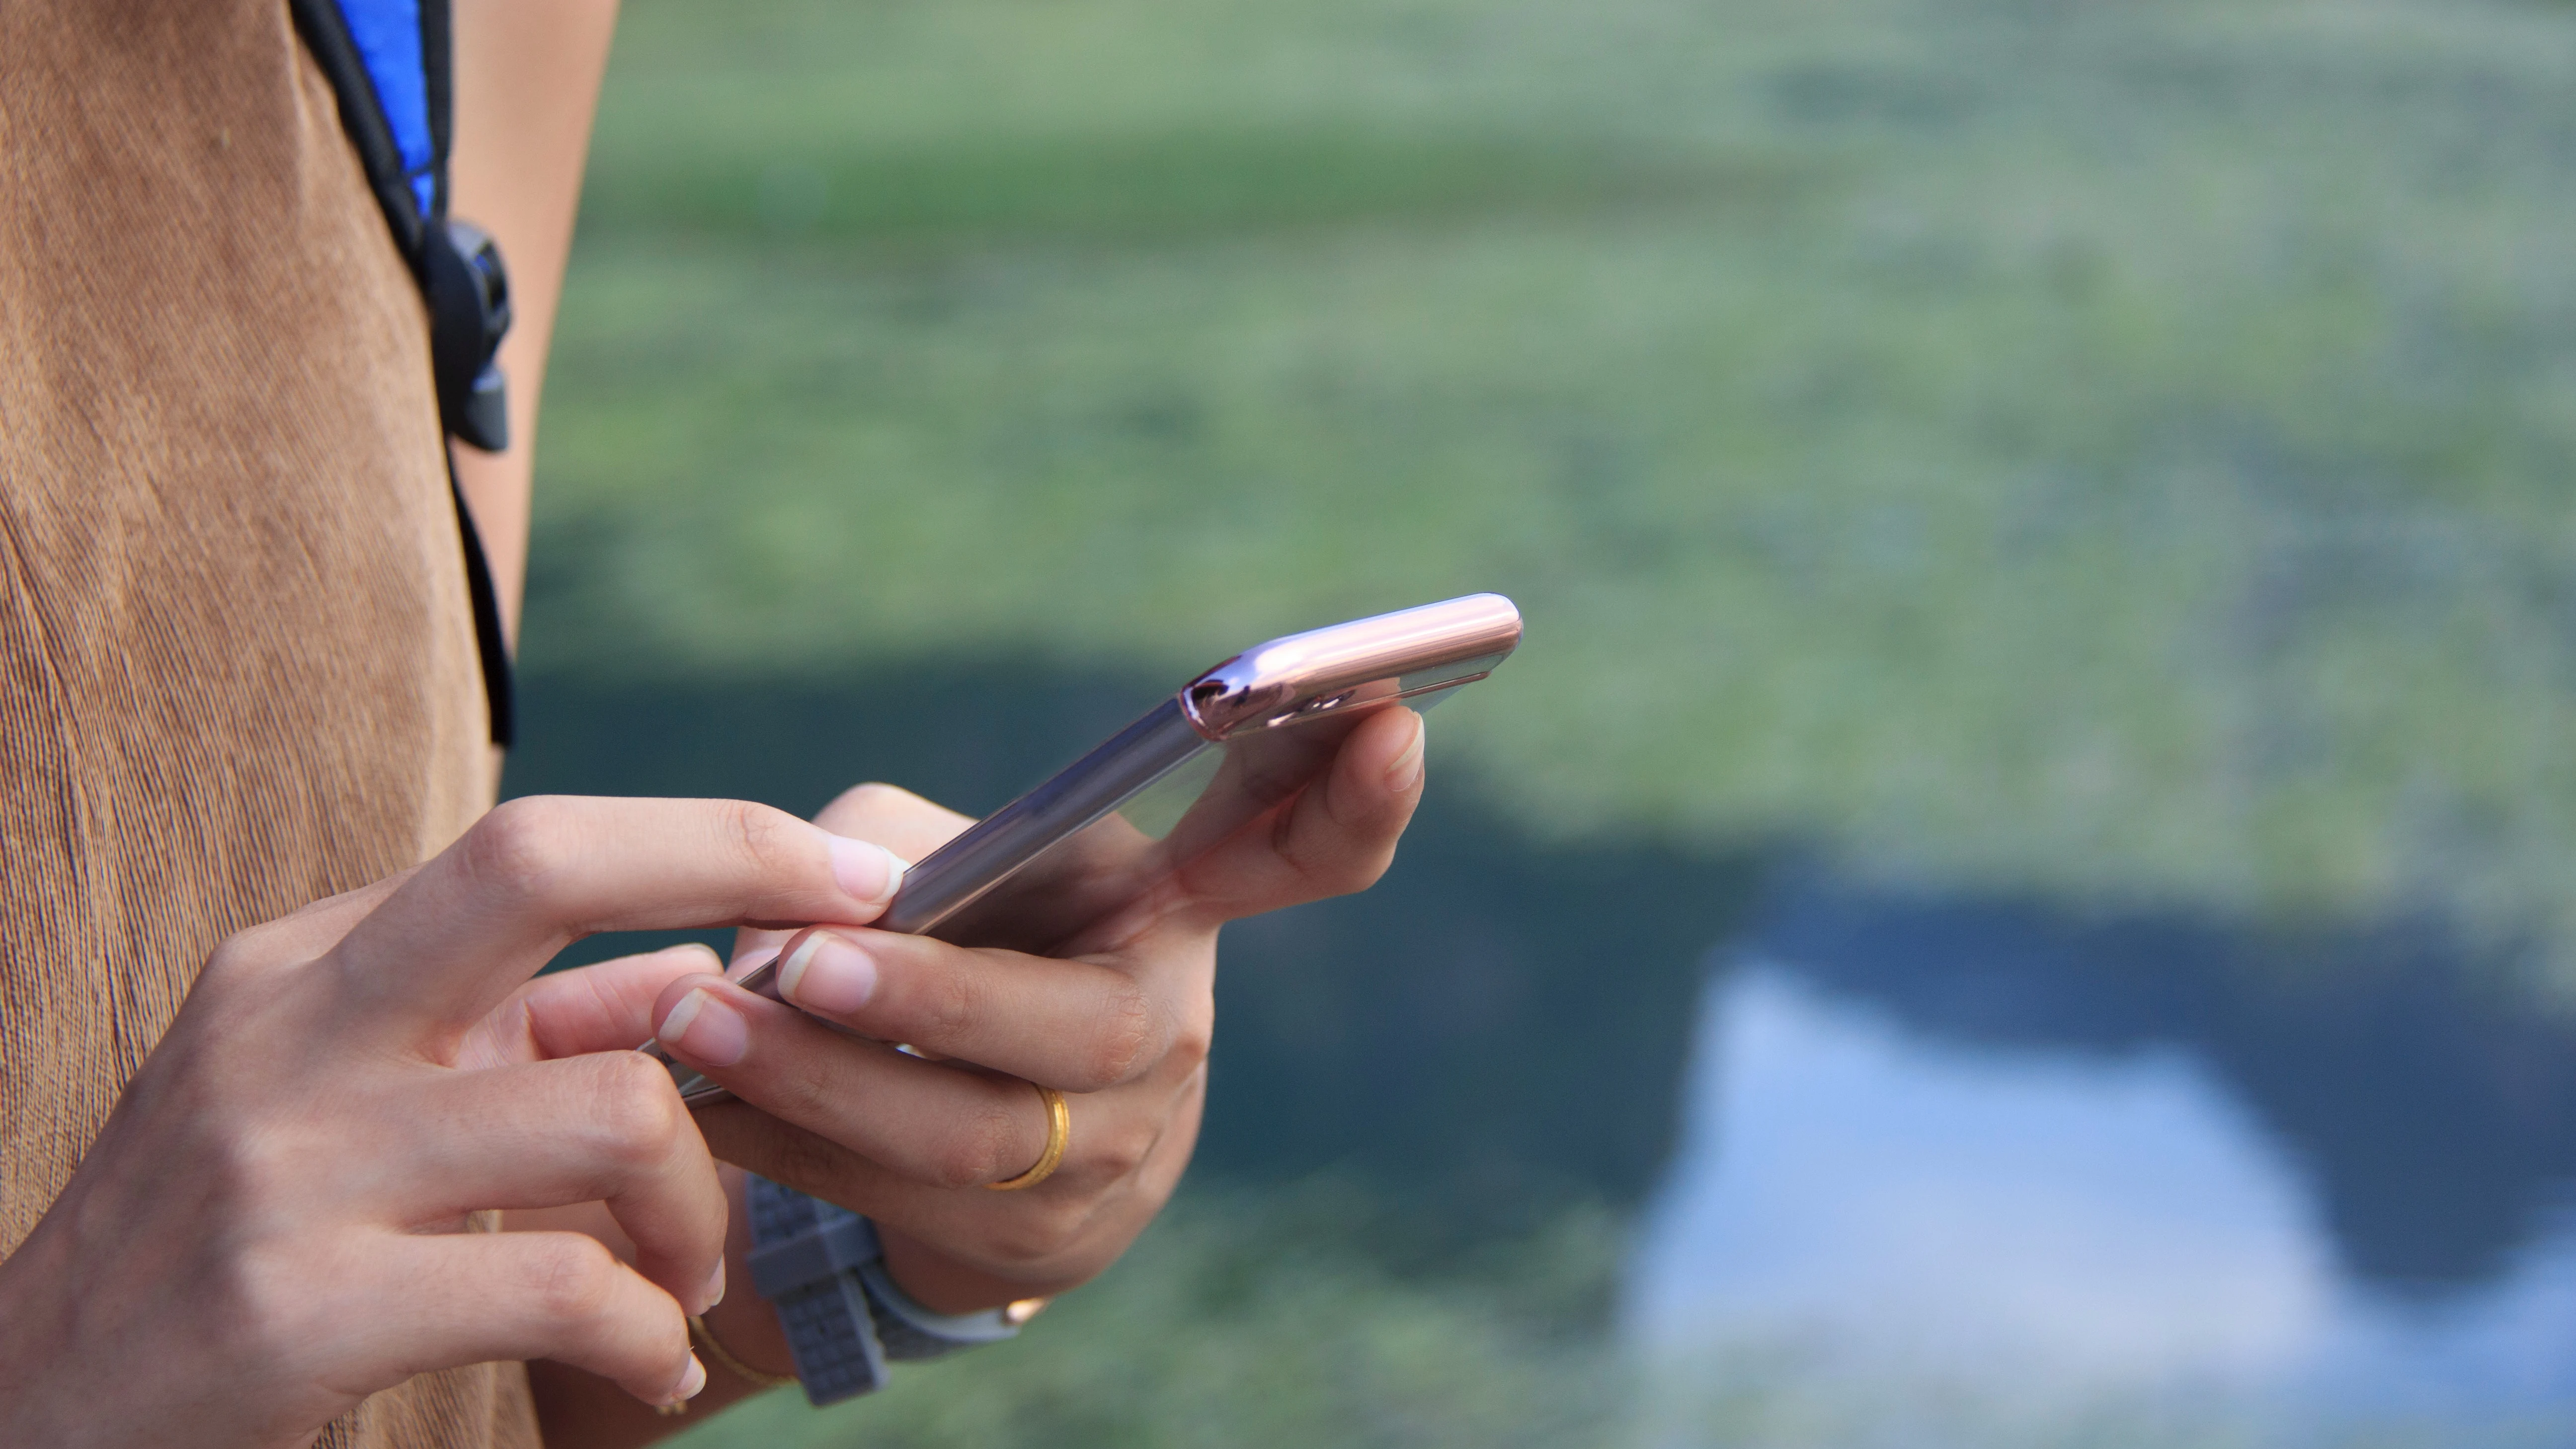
{"x": 237, "y": 664}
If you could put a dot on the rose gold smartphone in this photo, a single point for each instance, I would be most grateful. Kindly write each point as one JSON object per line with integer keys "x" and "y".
{"x": 1080, "y": 853}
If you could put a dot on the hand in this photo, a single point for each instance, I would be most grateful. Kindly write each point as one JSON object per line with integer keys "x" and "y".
{"x": 1123, "y": 1029}
{"x": 272, "y": 1223}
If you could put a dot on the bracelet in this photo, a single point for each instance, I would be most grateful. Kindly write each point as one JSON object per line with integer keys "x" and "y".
{"x": 716, "y": 1350}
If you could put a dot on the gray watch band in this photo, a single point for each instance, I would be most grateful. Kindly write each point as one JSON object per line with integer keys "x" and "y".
{"x": 823, "y": 1270}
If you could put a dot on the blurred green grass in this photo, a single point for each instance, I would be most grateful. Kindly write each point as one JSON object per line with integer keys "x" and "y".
{"x": 2113, "y": 450}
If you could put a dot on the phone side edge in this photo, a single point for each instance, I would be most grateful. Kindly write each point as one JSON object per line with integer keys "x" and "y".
{"x": 989, "y": 851}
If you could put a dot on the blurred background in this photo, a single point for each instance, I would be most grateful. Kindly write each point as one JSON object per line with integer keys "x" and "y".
{"x": 2018, "y": 891}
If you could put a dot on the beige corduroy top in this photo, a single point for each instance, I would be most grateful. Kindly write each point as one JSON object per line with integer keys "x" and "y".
{"x": 237, "y": 662}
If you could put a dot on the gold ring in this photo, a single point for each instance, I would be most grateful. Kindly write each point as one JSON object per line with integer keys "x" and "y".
{"x": 1059, "y": 1131}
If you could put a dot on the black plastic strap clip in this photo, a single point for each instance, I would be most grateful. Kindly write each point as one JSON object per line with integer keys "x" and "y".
{"x": 469, "y": 313}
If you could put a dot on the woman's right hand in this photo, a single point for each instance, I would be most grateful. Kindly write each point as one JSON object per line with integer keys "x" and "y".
{"x": 272, "y": 1224}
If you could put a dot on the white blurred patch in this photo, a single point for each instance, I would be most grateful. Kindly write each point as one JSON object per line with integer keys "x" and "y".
{"x": 2037, "y": 1231}
{"x": 1844, "y": 1184}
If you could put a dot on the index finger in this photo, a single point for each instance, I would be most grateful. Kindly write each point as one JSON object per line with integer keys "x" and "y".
{"x": 889, "y": 815}
{"x": 538, "y": 873}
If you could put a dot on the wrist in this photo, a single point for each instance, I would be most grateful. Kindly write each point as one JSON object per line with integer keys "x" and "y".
{"x": 844, "y": 1317}
{"x": 945, "y": 1285}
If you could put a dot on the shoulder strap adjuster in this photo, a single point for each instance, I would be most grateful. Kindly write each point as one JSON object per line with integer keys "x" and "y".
{"x": 469, "y": 312}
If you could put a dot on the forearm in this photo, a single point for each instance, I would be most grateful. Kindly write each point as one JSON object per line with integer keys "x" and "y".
{"x": 527, "y": 84}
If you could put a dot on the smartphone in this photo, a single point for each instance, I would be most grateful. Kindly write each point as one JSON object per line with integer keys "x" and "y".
{"x": 1094, "y": 843}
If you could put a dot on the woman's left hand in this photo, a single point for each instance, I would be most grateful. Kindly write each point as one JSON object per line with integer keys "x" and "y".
{"x": 912, "y": 1140}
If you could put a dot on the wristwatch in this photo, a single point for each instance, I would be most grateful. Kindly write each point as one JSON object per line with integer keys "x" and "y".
{"x": 823, "y": 1269}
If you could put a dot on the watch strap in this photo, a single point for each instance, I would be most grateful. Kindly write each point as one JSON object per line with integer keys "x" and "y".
{"x": 823, "y": 1268}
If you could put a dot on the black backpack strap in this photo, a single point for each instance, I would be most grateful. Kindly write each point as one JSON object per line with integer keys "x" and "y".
{"x": 489, "y": 641}
{"x": 390, "y": 63}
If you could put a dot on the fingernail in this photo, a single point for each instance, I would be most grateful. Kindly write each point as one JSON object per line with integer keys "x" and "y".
{"x": 1405, "y": 770}
{"x": 869, "y": 873}
{"x": 828, "y": 973}
{"x": 705, "y": 1031}
{"x": 715, "y": 1289}
{"x": 692, "y": 1382}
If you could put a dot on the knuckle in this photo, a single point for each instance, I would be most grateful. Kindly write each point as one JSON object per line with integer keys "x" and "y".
{"x": 237, "y": 954}
{"x": 1191, "y": 1044}
{"x": 980, "y": 1148}
{"x": 807, "y": 1163}
{"x": 519, "y": 846}
{"x": 269, "y": 1303}
{"x": 571, "y": 1278}
{"x": 639, "y": 1111}
{"x": 248, "y": 1172}
{"x": 261, "y": 1301}
{"x": 1122, "y": 1153}
{"x": 1338, "y": 874}
{"x": 1129, "y": 1032}
{"x": 947, "y": 1006}
{"x": 247, "y": 1163}
{"x": 879, "y": 806}
{"x": 1311, "y": 868}
{"x": 769, "y": 839}
{"x": 801, "y": 1087}
{"x": 1350, "y": 877}
{"x": 1324, "y": 869}
{"x": 802, "y": 1083}
{"x": 874, "y": 800}
{"x": 238, "y": 966}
